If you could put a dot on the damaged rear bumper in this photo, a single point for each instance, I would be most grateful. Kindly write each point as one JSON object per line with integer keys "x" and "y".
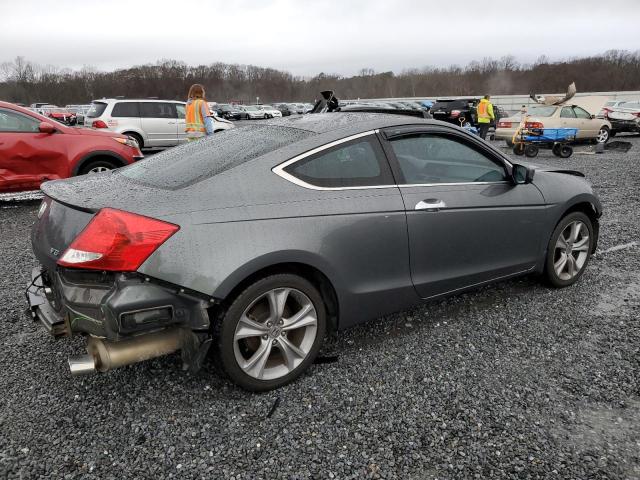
{"x": 127, "y": 318}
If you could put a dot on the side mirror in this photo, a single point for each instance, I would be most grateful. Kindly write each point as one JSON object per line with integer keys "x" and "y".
{"x": 593, "y": 116}
{"x": 521, "y": 174}
{"x": 45, "y": 127}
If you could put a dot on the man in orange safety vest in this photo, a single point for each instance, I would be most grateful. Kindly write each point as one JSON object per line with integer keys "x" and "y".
{"x": 485, "y": 116}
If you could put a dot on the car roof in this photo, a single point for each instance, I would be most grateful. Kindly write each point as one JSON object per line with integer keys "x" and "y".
{"x": 350, "y": 122}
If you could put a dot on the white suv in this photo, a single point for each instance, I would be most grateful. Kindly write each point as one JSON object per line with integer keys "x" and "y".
{"x": 152, "y": 123}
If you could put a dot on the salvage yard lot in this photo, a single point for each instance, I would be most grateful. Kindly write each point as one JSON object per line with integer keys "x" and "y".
{"x": 515, "y": 380}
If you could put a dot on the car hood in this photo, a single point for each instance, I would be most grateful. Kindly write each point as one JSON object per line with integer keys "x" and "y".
{"x": 94, "y": 132}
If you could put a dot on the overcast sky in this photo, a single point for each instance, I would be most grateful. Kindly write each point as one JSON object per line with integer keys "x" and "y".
{"x": 306, "y": 37}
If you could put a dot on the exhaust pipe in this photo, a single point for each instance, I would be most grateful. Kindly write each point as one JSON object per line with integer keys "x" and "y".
{"x": 104, "y": 355}
{"x": 82, "y": 365}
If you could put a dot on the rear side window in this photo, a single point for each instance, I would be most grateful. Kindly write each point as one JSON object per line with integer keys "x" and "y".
{"x": 185, "y": 165}
{"x": 358, "y": 163}
{"x": 567, "y": 112}
{"x": 97, "y": 109}
{"x": 157, "y": 110}
{"x": 126, "y": 109}
{"x": 11, "y": 121}
{"x": 581, "y": 113}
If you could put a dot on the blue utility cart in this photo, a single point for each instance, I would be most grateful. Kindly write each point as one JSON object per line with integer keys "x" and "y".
{"x": 529, "y": 141}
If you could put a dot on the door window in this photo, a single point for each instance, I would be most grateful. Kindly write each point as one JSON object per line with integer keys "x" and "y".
{"x": 359, "y": 163}
{"x": 157, "y": 110}
{"x": 16, "y": 122}
{"x": 432, "y": 159}
{"x": 181, "y": 111}
{"x": 126, "y": 109}
{"x": 581, "y": 113}
{"x": 567, "y": 112}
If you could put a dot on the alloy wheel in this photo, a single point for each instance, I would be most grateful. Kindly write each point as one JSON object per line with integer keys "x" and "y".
{"x": 99, "y": 170}
{"x": 572, "y": 250}
{"x": 603, "y": 135}
{"x": 275, "y": 333}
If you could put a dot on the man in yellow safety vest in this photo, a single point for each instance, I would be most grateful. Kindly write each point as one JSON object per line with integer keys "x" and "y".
{"x": 485, "y": 116}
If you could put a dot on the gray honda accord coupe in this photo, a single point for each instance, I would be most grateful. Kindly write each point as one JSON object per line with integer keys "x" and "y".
{"x": 253, "y": 244}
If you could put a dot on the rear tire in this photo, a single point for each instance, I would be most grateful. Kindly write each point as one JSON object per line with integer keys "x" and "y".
{"x": 98, "y": 166}
{"x": 270, "y": 304}
{"x": 556, "y": 149}
{"x": 567, "y": 258}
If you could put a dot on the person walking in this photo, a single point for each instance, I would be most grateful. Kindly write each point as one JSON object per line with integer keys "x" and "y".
{"x": 197, "y": 112}
{"x": 485, "y": 116}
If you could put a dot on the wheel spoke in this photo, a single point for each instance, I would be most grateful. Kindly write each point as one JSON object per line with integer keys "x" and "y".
{"x": 255, "y": 365}
{"x": 560, "y": 264}
{"x": 571, "y": 265}
{"x": 582, "y": 245}
{"x": 562, "y": 242}
{"x": 303, "y": 318}
{"x": 277, "y": 301}
{"x": 250, "y": 328}
{"x": 290, "y": 352}
{"x": 575, "y": 231}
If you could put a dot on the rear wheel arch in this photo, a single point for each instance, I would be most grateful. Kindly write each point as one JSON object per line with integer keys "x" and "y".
{"x": 138, "y": 137}
{"x": 310, "y": 273}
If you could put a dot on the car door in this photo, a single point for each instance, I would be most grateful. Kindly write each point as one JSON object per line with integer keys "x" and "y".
{"x": 27, "y": 156}
{"x": 159, "y": 121}
{"x": 467, "y": 222}
{"x": 181, "y": 124}
{"x": 585, "y": 123}
{"x": 357, "y": 213}
{"x": 568, "y": 119}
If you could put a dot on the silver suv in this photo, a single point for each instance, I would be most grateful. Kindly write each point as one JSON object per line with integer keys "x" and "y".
{"x": 152, "y": 123}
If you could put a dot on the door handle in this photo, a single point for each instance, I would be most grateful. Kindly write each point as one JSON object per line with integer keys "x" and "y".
{"x": 430, "y": 205}
{"x": 172, "y": 123}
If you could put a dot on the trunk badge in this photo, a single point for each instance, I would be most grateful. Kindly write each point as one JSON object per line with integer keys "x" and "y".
{"x": 54, "y": 251}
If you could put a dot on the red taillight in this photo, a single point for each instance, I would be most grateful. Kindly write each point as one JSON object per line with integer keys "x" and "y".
{"x": 99, "y": 124}
{"x": 116, "y": 241}
{"x": 534, "y": 125}
{"x": 455, "y": 113}
{"x": 504, "y": 124}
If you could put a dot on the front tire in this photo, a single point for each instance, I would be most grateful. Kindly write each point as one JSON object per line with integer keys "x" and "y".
{"x": 97, "y": 166}
{"x": 569, "y": 250}
{"x": 271, "y": 332}
{"x": 603, "y": 135}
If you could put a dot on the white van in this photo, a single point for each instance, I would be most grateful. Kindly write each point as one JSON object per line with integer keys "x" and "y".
{"x": 152, "y": 123}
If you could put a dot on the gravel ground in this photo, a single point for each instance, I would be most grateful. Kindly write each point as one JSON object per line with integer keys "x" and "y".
{"x": 512, "y": 381}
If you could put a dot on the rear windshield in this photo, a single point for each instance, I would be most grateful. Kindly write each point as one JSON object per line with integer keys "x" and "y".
{"x": 541, "y": 111}
{"x": 191, "y": 163}
{"x": 446, "y": 104}
{"x": 97, "y": 109}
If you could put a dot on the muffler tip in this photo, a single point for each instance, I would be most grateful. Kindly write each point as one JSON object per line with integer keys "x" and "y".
{"x": 82, "y": 365}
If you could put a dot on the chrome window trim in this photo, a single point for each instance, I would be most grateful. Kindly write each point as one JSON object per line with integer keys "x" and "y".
{"x": 407, "y": 185}
{"x": 279, "y": 169}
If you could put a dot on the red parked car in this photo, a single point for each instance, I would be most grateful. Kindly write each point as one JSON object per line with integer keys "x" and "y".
{"x": 34, "y": 149}
{"x": 61, "y": 115}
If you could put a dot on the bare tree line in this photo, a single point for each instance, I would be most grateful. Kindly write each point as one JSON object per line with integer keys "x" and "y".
{"x": 27, "y": 82}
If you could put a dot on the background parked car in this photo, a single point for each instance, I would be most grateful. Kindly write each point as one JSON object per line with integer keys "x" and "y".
{"x": 80, "y": 111}
{"x": 270, "y": 112}
{"x": 34, "y": 148}
{"x": 62, "y": 115}
{"x": 625, "y": 117}
{"x": 152, "y": 123}
{"x": 230, "y": 112}
{"x": 452, "y": 110}
{"x": 253, "y": 112}
{"x": 557, "y": 116}
{"x": 283, "y": 108}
